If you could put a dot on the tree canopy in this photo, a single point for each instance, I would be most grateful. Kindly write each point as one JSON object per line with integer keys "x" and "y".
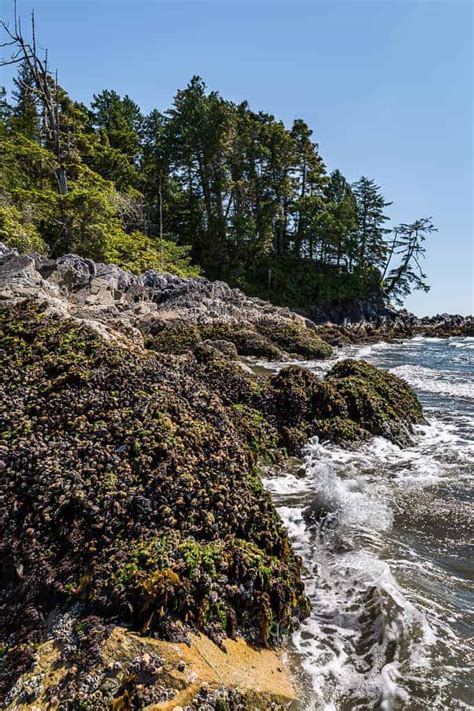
{"x": 206, "y": 182}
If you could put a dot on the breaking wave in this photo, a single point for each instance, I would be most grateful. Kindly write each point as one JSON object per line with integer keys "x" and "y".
{"x": 430, "y": 380}
{"x": 385, "y": 535}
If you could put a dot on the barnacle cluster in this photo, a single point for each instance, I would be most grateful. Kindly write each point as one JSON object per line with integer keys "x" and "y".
{"x": 267, "y": 338}
{"x": 353, "y": 402}
{"x": 129, "y": 483}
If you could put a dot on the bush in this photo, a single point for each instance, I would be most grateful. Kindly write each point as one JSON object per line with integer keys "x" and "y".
{"x": 18, "y": 230}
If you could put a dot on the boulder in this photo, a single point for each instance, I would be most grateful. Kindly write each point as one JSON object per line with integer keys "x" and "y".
{"x": 353, "y": 402}
{"x": 18, "y": 275}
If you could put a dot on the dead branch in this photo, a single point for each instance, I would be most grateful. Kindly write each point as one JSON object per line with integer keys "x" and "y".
{"x": 44, "y": 86}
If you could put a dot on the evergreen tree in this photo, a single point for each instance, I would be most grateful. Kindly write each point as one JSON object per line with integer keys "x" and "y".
{"x": 5, "y": 110}
{"x": 251, "y": 207}
{"x": 309, "y": 185}
{"x": 120, "y": 119}
{"x": 408, "y": 246}
{"x": 339, "y": 221}
{"x": 119, "y": 125}
{"x": 372, "y": 248}
{"x": 198, "y": 131}
{"x": 158, "y": 185}
{"x": 24, "y": 117}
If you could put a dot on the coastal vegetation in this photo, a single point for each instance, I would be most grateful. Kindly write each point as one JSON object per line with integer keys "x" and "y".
{"x": 206, "y": 186}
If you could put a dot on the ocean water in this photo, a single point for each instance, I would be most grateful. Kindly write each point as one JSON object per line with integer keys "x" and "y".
{"x": 389, "y": 564}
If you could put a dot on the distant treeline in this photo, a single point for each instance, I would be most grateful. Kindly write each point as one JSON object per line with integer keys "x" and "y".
{"x": 205, "y": 186}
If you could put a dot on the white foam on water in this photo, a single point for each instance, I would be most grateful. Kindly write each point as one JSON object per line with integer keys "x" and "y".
{"x": 463, "y": 346}
{"x": 428, "y": 339}
{"x": 363, "y": 632}
{"x": 432, "y": 381}
{"x": 384, "y": 629}
{"x": 287, "y": 484}
{"x": 464, "y": 343}
{"x": 437, "y": 452}
{"x": 366, "y": 640}
{"x": 367, "y": 350}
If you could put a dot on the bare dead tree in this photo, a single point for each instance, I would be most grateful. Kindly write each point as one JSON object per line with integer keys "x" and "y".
{"x": 45, "y": 87}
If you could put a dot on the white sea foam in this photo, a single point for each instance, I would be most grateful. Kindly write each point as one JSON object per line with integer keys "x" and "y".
{"x": 352, "y": 644}
{"x": 437, "y": 452}
{"x": 367, "y": 641}
{"x": 462, "y": 343}
{"x": 381, "y": 531}
{"x": 430, "y": 380}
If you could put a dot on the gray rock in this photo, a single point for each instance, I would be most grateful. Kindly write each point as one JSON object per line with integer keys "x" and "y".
{"x": 74, "y": 272}
{"x": 118, "y": 279}
{"x": 109, "y": 297}
{"x": 18, "y": 269}
{"x": 44, "y": 265}
{"x": 113, "y": 300}
{"x": 5, "y": 250}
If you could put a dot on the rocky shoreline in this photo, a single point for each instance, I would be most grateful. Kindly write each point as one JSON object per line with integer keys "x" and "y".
{"x": 133, "y": 516}
{"x": 374, "y": 320}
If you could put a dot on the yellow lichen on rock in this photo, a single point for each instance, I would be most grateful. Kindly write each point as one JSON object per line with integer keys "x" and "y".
{"x": 190, "y": 673}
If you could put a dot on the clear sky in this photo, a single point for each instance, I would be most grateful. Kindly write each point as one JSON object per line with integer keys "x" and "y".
{"x": 386, "y": 86}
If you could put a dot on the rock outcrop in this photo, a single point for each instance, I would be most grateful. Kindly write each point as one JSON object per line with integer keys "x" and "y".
{"x": 445, "y": 326}
{"x": 354, "y": 402}
{"x": 129, "y": 487}
{"x": 372, "y": 319}
{"x": 185, "y": 310}
{"x": 372, "y": 309}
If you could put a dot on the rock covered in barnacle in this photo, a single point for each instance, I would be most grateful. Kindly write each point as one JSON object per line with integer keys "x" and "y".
{"x": 355, "y": 400}
{"x": 130, "y": 486}
{"x": 379, "y": 402}
{"x": 113, "y": 668}
{"x": 129, "y": 482}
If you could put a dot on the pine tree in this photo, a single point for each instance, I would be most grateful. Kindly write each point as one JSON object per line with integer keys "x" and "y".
{"x": 372, "y": 247}
{"x": 155, "y": 179}
{"x": 120, "y": 119}
{"x": 198, "y": 132}
{"x": 408, "y": 246}
{"x": 309, "y": 185}
{"x": 339, "y": 220}
{"x": 5, "y": 110}
{"x": 25, "y": 118}
{"x": 119, "y": 122}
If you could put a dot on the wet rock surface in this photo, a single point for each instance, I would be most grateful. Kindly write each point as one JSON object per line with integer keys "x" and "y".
{"x": 125, "y": 671}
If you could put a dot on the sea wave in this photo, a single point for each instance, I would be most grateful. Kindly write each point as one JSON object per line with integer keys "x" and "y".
{"x": 384, "y": 535}
{"x": 432, "y": 381}
{"x": 365, "y": 637}
{"x": 370, "y": 642}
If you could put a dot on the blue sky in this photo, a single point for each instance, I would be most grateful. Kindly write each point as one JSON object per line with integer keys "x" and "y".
{"x": 386, "y": 86}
